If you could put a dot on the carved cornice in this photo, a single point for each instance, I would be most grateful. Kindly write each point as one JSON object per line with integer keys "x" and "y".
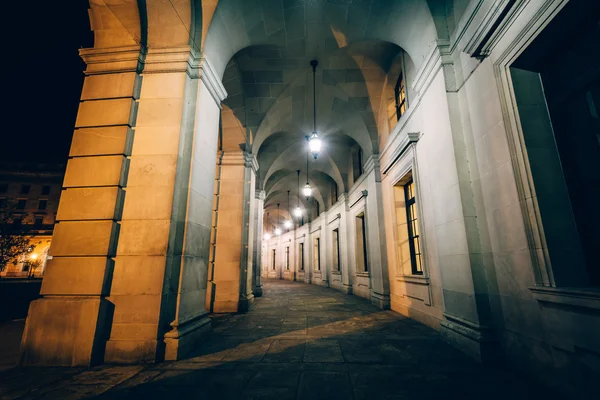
{"x": 362, "y": 193}
{"x": 404, "y": 142}
{"x": 212, "y": 81}
{"x": 251, "y": 162}
{"x": 336, "y": 216}
{"x": 488, "y": 30}
{"x": 113, "y": 60}
{"x": 260, "y": 195}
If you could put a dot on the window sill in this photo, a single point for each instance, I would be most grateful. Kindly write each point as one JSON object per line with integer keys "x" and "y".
{"x": 416, "y": 279}
{"x": 573, "y": 297}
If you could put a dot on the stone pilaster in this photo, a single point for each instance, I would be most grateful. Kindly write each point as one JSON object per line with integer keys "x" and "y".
{"x": 70, "y": 324}
{"x": 258, "y": 236}
{"x": 378, "y": 268}
{"x": 232, "y": 276}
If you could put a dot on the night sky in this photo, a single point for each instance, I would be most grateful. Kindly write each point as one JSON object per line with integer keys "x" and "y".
{"x": 44, "y": 79}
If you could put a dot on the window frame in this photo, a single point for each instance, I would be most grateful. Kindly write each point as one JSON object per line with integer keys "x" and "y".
{"x": 45, "y": 204}
{"x": 317, "y": 255}
{"x": 274, "y": 257}
{"x": 336, "y": 235}
{"x": 400, "y": 84}
{"x": 287, "y": 258}
{"x": 412, "y": 201}
{"x": 301, "y": 255}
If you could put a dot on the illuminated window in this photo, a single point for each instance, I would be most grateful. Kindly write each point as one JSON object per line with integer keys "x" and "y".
{"x": 400, "y": 96}
{"x": 317, "y": 253}
{"x": 361, "y": 244}
{"x": 336, "y": 250}
{"x": 413, "y": 228}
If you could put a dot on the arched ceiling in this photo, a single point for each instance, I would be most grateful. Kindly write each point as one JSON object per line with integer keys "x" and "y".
{"x": 262, "y": 50}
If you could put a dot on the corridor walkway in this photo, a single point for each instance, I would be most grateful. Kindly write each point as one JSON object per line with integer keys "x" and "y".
{"x": 298, "y": 342}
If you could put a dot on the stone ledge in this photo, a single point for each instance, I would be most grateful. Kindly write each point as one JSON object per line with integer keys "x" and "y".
{"x": 568, "y": 297}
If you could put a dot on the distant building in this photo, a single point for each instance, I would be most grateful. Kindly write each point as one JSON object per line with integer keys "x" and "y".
{"x": 35, "y": 189}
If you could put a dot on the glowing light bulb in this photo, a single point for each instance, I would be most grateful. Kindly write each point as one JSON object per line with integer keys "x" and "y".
{"x": 315, "y": 144}
{"x": 277, "y": 231}
{"x": 307, "y": 190}
{"x": 298, "y": 212}
{"x": 267, "y": 236}
{"x": 33, "y": 256}
{"x": 287, "y": 224}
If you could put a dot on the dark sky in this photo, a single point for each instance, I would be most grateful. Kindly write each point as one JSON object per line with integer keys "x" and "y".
{"x": 44, "y": 79}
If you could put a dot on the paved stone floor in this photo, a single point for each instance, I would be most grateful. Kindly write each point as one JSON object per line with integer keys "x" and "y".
{"x": 298, "y": 342}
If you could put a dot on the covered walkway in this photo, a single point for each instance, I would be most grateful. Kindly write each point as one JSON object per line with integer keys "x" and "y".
{"x": 299, "y": 341}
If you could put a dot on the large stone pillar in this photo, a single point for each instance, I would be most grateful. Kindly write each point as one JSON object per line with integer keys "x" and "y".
{"x": 259, "y": 205}
{"x": 70, "y": 324}
{"x": 131, "y": 247}
{"x": 159, "y": 261}
{"x": 231, "y": 283}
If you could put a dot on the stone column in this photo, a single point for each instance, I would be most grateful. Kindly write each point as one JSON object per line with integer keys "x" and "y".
{"x": 247, "y": 246}
{"x": 258, "y": 235}
{"x": 70, "y": 324}
{"x": 345, "y": 248}
{"x": 232, "y": 282}
{"x": 378, "y": 268}
{"x": 161, "y": 264}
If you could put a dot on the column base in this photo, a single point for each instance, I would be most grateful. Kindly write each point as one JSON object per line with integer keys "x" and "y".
{"x": 475, "y": 340}
{"x": 346, "y": 289}
{"x": 380, "y": 300}
{"x": 187, "y": 336}
{"x": 258, "y": 292}
{"x": 66, "y": 331}
{"x": 245, "y": 302}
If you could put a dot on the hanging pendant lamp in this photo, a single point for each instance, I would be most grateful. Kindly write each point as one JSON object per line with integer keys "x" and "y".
{"x": 307, "y": 189}
{"x": 277, "y": 230}
{"x": 298, "y": 211}
{"x": 314, "y": 142}
{"x": 288, "y": 223}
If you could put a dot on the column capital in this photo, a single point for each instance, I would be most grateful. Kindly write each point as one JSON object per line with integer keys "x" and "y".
{"x": 113, "y": 59}
{"x": 155, "y": 61}
{"x": 260, "y": 195}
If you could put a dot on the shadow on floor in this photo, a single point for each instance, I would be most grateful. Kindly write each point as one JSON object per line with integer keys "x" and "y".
{"x": 299, "y": 342}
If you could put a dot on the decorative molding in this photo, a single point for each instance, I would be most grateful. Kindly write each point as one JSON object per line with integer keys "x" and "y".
{"x": 487, "y": 31}
{"x": 251, "y": 162}
{"x": 316, "y": 229}
{"x": 416, "y": 279}
{"x": 405, "y": 142}
{"x": 568, "y": 298}
{"x": 336, "y": 216}
{"x": 430, "y": 66}
{"x": 363, "y": 193}
{"x": 113, "y": 60}
{"x": 172, "y": 59}
{"x": 260, "y": 195}
{"x": 212, "y": 81}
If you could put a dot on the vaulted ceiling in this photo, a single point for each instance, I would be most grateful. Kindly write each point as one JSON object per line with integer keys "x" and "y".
{"x": 262, "y": 50}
